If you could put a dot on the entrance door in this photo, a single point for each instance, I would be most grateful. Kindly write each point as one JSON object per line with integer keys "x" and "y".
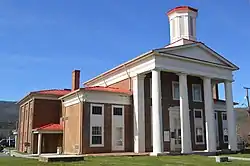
{"x": 117, "y": 128}
{"x": 175, "y": 130}
{"x": 216, "y": 129}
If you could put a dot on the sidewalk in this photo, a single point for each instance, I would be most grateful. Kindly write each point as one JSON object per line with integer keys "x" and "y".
{"x": 14, "y": 153}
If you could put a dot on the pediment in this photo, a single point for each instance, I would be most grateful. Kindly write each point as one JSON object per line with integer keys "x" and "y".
{"x": 198, "y": 52}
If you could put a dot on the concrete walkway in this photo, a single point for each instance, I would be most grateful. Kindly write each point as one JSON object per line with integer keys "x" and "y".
{"x": 14, "y": 153}
{"x": 234, "y": 158}
{"x": 239, "y": 158}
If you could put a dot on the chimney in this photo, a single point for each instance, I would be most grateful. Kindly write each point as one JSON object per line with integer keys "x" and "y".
{"x": 75, "y": 80}
{"x": 182, "y": 21}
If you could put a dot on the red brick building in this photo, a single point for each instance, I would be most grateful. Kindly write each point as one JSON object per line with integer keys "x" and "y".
{"x": 163, "y": 100}
{"x": 38, "y": 109}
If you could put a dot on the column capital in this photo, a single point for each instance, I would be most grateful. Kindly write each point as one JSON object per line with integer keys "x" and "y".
{"x": 206, "y": 77}
{"x": 228, "y": 81}
{"x": 157, "y": 69}
{"x": 139, "y": 76}
{"x": 181, "y": 74}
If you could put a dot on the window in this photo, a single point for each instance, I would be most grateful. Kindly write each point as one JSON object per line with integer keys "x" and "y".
{"x": 96, "y": 135}
{"x": 196, "y": 92}
{"x": 225, "y": 135}
{"x": 96, "y": 126}
{"x": 199, "y": 135}
{"x": 197, "y": 114}
{"x": 198, "y": 126}
{"x": 175, "y": 90}
{"x": 117, "y": 111}
{"x": 225, "y": 128}
{"x": 119, "y": 136}
{"x": 96, "y": 110}
{"x": 224, "y": 116}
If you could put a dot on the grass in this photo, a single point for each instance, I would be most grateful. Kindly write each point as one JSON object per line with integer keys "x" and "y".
{"x": 190, "y": 160}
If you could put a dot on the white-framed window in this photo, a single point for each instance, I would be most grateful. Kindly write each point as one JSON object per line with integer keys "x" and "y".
{"x": 96, "y": 135}
{"x": 199, "y": 135}
{"x": 199, "y": 126}
{"x": 175, "y": 90}
{"x": 117, "y": 110}
{"x": 225, "y": 135}
{"x": 118, "y": 133}
{"x": 96, "y": 109}
{"x": 196, "y": 92}
{"x": 96, "y": 125}
{"x": 224, "y": 126}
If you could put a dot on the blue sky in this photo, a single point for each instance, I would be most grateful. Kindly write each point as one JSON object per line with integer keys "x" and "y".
{"x": 41, "y": 42}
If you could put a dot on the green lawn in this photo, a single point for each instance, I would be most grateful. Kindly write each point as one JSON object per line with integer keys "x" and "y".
{"x": 190, "y": 160}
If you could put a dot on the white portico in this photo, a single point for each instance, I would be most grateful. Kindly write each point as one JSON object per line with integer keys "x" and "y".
{"x": 184, "y": 57}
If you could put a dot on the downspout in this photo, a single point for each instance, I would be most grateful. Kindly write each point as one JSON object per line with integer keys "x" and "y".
{"x": 128, "y": 77}
{"x": 63, "y": 121}
{"x": 81, "y": 124}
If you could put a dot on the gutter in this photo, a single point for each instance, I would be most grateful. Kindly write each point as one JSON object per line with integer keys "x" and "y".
{"x": 130, "y": 62}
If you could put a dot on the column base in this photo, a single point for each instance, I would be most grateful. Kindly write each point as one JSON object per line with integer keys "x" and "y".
{"x": 158, "y": 154}
{"x": 210, "y": 151}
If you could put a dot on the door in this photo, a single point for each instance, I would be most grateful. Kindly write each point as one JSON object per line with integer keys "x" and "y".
{"x": 175, "y": 130}
{"x": 117, "y": 128}
{"x": 216, "y": 129}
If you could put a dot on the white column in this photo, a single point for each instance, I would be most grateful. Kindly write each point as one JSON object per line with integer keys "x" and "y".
{"x": 209, "y": 114}
{"x": 139, "y": 114}
{"x": 184, "y": 115}
{"x": 39, "y": 144}
{"x": 157, "y": 113}
{"x": 16, "y": 141}
{"x": 232, "y": 136}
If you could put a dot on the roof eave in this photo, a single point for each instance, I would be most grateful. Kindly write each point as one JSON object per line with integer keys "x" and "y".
{"x": 70, "y": 93}
{"x": 119, "y": 66}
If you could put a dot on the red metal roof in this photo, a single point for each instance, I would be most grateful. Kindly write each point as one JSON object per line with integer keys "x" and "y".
{"x": 181, "y": 8}
{"x": 51, "y": 127}
{"x": 108, "y": 89}
{"x": 58, "y": 92}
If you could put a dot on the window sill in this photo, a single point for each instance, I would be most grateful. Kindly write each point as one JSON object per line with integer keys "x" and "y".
{"x": 199, "y": 143}
{"x": 96, "y": 145}
{"x": 198, "y": 101}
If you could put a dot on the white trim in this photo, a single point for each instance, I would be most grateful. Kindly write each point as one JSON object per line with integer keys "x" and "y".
{"x": 202, "y": 126}
{"x": 198, "y": 85}
{"x": 24, "y": 103}
{"x": 141, "y": 64}
{"x": 122, "y": 118}
{"x": 146, "y": 62}
{"x": 98, "y": 122}
{"x": 177, "y": 65}
{"x": 206, "y": 48}
{"x": 173, "y": 93}
{"x": 47, "y": 132}
{"x": 97, "y": 97}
